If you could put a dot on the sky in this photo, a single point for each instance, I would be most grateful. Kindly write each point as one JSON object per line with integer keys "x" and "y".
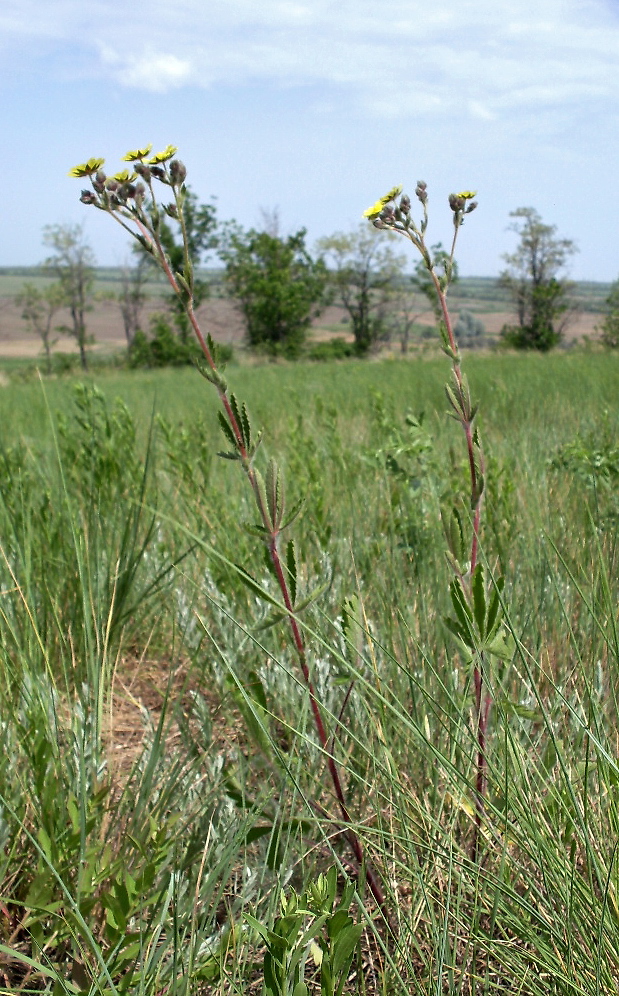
{"x": 316, "y": 108}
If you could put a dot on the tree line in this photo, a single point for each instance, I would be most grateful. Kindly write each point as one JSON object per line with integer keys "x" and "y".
{"x": 280, "y": 287}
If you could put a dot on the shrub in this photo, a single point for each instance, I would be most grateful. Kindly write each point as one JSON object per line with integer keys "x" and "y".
{"x": 165, "y": 348}
{"x": 278, "y": 286}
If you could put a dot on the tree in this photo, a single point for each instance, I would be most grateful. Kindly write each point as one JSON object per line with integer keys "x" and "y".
{"x": 364, "y": 271}
{"x": 533, "y": 279}
{"x": 132, "y": 295}
{"x": 38, "y": 310}
{"x": 279, "y": 287}
{"x": 200, "y": 225}
{"x": 72, "y": 264}
{"x": 610, "y": 324}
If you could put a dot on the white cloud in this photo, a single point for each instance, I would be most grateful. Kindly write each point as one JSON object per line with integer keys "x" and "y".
{"x": 482, "y": 58}
{"x": 153, "y": 71}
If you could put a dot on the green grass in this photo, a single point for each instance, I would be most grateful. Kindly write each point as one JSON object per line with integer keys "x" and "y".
{"x": 120, "y": 537}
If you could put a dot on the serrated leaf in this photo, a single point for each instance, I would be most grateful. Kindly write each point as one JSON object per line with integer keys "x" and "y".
{"x": 235, "y": 411}
{"x": 453, "y": 400}
{"x": 460, "y": 603}
{"x": 250, "y": 582}
{"x": 271, "y": 488}
{"x": 291, "y": 565}
{"x": 292, "y": 514}
{"x": 501, "y": 647}
{"x": 261, "y": 494}
{"x": 495, "y": 605}
{"x": 272, "y": 620}
{"x": 479, "y": 599}
{"x": 454, "y": 532}
{"x": 454, "y": 627}
{"x": 246, "y": 426}
{"x": 316, "y": 593}
{"x": 255, "y": 689}
{"x": 227, "y": 429}
{"x": 478, "y": 492}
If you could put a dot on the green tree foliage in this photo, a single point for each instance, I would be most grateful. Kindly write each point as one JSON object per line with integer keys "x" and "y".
{"x": 279, "y": 287}
{"x": 72, "y": 263}
{"x": 364, "y": 272}
{"x": 533, "y": 279}
{"x": 610, "y": 325}
{"x": 38, "y": 310}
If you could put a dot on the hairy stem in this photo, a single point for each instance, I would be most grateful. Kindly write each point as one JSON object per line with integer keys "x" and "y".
{"x": 272, "y": 533}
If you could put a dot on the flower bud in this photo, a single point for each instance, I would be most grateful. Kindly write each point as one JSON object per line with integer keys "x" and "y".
{"x": 98, "y": 181}
{"x": 143, "y": 171}
{"x": 471, "y": 207}
{"x": 420, "y": 191}
{"x": 159, "y": 173}
{"x": 112, "y": 185}
{"x": 127, "y": 191}
{"x": 388, "y": 213}
{"x": 456, "y": 203}
{"x": 405, "y": 204}
{"x": 88, "y": 197}
{"x": 178, "y": 172}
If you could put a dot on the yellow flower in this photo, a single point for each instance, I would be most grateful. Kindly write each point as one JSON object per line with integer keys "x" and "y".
{"x": 87, "y": 169}
{"x": 467, "y": 194}
{"x": 375, "y": 210}
{"x": 125, "y": 176}
{"x": 137, "y": 154}
{"x": 161, "y": 157}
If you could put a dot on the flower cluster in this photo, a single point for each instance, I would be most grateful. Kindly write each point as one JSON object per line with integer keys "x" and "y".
{"x": 120, "y": 194}
{"x": 393, "y": 210}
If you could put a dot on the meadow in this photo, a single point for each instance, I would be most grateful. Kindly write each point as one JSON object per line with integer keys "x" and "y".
{"x": 163, "y": 794}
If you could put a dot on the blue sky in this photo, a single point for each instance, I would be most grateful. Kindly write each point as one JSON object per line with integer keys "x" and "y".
{"x": 318, "y": 107}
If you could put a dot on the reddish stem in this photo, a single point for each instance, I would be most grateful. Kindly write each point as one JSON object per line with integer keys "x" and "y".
{"x": 482, "y": 702}
{"x": 355, "y": 844}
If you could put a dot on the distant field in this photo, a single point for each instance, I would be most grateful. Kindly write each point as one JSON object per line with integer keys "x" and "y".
{"x": 480, "y": 295}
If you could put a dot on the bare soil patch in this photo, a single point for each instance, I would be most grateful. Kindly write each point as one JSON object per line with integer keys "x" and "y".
{"x": 221, "y": 318}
